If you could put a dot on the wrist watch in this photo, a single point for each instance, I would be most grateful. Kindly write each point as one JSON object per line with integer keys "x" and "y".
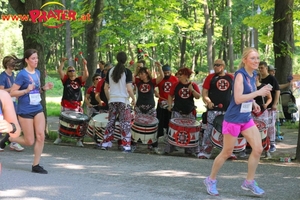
{"x": 14, "y": 128}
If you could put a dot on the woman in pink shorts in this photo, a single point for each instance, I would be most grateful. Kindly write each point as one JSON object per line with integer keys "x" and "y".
{"x": 238, "y": 120}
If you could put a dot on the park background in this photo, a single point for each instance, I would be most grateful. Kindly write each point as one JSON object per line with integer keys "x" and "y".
{"x": 191, "y": 33}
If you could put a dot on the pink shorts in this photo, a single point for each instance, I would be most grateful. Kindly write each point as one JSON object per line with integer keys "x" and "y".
{"x": 235, "y": 129}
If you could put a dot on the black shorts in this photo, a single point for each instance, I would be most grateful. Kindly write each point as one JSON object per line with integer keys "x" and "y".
{"x": 30, "y": 115}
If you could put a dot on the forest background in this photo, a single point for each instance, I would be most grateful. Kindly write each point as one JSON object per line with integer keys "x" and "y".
{"x": 182, "y": 33}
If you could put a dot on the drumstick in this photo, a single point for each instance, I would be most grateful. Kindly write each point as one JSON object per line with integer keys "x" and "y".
{"x": 80, "y": 53}
{"x": 146, "y": 55}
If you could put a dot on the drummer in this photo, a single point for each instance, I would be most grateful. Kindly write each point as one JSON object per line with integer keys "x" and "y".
{"x": 72, "y": 95}
{"x": 163, "y": 115}
{"x": 90, "y": 100}
{"x": 216, "y": 94}
{"x": 184, "y": 92}
{"x": 145, "y": 85}
{"x": 99, "y": 93}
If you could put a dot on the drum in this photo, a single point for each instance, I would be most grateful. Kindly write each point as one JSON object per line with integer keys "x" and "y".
{"x": 217, "y": 136}
{"x": 261, "y": 122}
{"x": 184, "y": 132}
{"x": 97, "y": 125}
{"x": 73, "y": 124}
{"x": 144, "y": 129}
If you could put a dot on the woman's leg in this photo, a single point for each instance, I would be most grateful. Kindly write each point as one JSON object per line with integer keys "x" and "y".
{"x": 39, "y": 126}
{"x": 228, "y": 145}
{"x": 253, "y": 137}
{"x": 27, "y": 138}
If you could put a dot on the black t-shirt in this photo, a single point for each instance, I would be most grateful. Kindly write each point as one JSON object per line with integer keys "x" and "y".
{"x": 272, "y": 81}
{"x": 72, "y": 89}
{"x": 220, "y": 91}
{"x": 260, "y": 100}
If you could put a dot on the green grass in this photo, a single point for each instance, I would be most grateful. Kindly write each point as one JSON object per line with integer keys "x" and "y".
{"x": 53, "y": 109}
{"x": 290, "y": 125}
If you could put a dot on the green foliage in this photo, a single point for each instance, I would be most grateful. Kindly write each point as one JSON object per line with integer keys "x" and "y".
{"x": 11, "y": 41}
{"x": 158, "y": 27}
{"x": 58, "y": 87}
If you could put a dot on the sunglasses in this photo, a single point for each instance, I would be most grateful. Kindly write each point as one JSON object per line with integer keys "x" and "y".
{"x": 71, "y": 70}
{"x": 217, "y": 65}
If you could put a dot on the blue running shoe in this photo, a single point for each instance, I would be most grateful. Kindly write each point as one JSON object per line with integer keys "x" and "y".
{"x": 253, "y": 187}
{"x": 211, "y": 186}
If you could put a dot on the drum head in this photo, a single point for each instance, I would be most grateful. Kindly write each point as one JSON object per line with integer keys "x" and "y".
{"x": 185, "y": 122}
{"x": 145, "y": 120}
{"x": 100, "y": 120}
{"x": 217, "y": 124}
{"x": 74, "y": 116}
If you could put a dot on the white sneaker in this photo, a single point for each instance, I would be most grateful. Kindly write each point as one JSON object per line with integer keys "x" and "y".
{"x": 57, "y": 141}
{"x": 79, "y": 143}
{"x": 15, "y": 146}
{"x": 1, "y": 150}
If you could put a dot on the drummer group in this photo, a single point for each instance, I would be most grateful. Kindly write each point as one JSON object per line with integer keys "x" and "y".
{"x": 141, "y": 121}
{"x": 113, "y": 88}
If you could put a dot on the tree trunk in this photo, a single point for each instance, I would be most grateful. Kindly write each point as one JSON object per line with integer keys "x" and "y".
{"x": 32, "y": 34}
{"x": 182, "y": 50}
{"x": 230, "y": 40}
{"x": 209, "y": 35}
{"x": 68, "y": 40}
{"x": 283, "y": 39}
{"x": 93, "y": 40}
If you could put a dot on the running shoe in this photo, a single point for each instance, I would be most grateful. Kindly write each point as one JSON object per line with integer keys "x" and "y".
{"x": 39, "y": 169}
{"x": 253, "y": 187}
{"x": 272, "y": 148}
{"x": 79, "y": 143}
{"x": 211, "y": 186}
{"x": 15, "y": 146}
{"x": 57, "y": 141}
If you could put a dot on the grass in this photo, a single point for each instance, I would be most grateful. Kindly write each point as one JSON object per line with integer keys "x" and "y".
{"x": 291, "y": 125}
{"x": 53, "y": 109}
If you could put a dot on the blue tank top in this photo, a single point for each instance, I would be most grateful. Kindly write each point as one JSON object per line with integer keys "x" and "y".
{"x": 233, "y": 114}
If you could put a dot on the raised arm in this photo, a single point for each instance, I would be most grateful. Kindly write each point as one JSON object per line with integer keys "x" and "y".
{"x": 160, "y": 71}
{"x": 60, "y": 68}
{"x": 85, "y": 71}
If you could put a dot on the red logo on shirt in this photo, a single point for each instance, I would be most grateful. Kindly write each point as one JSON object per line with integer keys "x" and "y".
{"x": 167, "y": 87}
{"x": 184, "y": 93}
{"x": 144, "y": 88}
{"x": 223, "y": 84}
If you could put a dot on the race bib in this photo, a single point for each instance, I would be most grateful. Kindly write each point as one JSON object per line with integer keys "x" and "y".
{"x": 34, "y": 97}
{"x": 246, "y": 107}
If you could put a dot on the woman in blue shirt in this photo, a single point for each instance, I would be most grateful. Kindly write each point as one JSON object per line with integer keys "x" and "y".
{"x": 28, "y": 88}
{"x": 238, "y": 120}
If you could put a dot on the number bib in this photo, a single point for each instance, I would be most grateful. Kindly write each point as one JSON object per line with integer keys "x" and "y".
{"x": 34, "y": 97}
{"x": 246, "y": 107}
